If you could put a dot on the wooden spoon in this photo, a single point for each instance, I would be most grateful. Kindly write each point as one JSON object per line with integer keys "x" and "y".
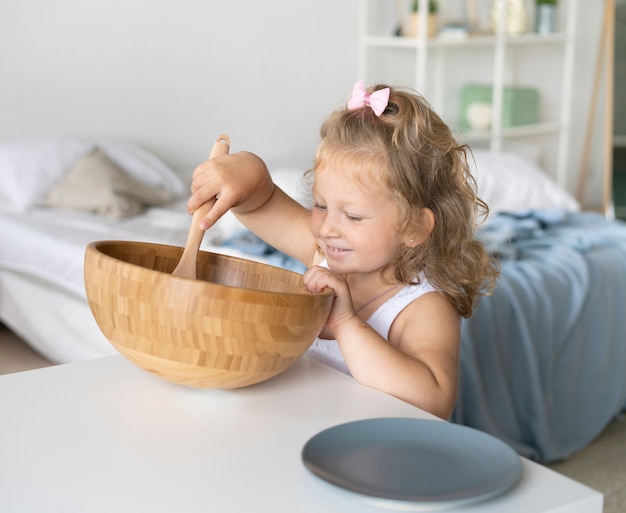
{"x": 186, "y": 267}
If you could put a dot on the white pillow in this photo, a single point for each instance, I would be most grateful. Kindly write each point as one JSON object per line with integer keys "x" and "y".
{"x": 141, "y": 164}
{"x": 29, "y": 168}
{"x": 508, "y": 183}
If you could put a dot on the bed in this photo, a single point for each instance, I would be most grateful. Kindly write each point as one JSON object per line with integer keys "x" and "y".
{"x": 543, "y": 359}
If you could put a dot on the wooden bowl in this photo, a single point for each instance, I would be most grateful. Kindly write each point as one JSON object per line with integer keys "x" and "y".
{"x": 239, "y": 323}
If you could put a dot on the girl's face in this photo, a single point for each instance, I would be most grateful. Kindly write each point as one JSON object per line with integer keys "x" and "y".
{"x": 355, "y": 224}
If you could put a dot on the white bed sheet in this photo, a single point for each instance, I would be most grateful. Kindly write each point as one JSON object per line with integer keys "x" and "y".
{"x": 42, "y": 293}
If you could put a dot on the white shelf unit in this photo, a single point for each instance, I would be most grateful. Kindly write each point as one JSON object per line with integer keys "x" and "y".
{"x": 440, "y": 67}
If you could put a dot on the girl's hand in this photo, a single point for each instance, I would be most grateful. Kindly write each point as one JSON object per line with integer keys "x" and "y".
{"x": 240, "y": 181}
{"x": 316, "y": 279}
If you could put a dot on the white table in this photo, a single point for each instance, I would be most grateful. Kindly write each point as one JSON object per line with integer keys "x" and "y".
{"x": 104, "y": 436}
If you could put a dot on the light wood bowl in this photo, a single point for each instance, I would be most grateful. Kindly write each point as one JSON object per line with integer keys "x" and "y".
{"x": 239, "y": 323}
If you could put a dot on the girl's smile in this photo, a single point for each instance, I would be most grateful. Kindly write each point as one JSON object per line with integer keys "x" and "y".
{"x": 335, "y": 254}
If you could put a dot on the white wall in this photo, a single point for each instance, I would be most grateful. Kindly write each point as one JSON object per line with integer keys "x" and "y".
{"x": 173, "y": 74}
{"x": 590, "y": 17}
{"x": 619, "y": 114}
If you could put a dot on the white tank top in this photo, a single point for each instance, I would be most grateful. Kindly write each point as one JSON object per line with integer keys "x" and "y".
{"x": 328, "y": 352}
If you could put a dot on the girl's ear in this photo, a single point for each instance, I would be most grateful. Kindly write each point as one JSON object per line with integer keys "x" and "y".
{"x": 421, "y": 229}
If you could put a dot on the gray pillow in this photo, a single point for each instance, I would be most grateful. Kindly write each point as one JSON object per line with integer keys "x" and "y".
{"x": 97, "y": 184}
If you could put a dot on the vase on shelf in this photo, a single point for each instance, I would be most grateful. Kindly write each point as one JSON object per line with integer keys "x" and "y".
{"x": 413, "y": 25}
{"x": 412, "y": 22}
{"x": 513, "y": 13}
{"x": 546, "y": 16}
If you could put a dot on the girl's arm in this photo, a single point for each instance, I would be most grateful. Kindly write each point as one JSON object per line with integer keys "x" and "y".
{"x": 419, "y": 363}
{"x": 283, "y": 223}
{"x": 242, "y": 183}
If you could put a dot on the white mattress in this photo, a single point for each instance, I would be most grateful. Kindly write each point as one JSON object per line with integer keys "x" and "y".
{"x": 42, "y": 295}
{"x": 56, "y": 323}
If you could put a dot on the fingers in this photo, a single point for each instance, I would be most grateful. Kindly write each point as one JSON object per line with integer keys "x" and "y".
{"x": 317, "y": 278}
{"x": 200, "y": 196}
{"x": 227, "y": 181}
{"x": 218, "y": 209}
{"x": 207, "y": 184}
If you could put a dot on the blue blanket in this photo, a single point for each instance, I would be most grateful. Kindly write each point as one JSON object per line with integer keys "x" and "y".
{"x": 543, "y": 359}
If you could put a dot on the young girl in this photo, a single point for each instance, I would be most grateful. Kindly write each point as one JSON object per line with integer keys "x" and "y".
{"x": 391, "y": 232}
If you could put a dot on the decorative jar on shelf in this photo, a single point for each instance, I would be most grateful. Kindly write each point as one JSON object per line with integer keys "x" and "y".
{"x": 515, "y": 16}
{"x": 546, "y": 16}
{"x": 412, "y": 23}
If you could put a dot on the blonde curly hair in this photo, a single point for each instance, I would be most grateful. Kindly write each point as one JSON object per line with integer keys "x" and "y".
{"x": 412, "y": 153}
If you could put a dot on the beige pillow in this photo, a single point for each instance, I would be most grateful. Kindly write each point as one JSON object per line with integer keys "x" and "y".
{"x": 97, "y": 184}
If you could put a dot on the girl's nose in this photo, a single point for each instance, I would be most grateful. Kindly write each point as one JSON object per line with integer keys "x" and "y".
{"x": 328, "y": 226}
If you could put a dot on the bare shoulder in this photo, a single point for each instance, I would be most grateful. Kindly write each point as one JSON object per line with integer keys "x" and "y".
{"x": 430, "y": 323}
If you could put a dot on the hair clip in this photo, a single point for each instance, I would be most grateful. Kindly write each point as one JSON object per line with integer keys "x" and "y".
{"x": 378, "y": 100}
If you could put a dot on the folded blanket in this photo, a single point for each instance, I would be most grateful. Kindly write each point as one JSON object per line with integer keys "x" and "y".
{"x": 248, "y": 243}
{"x": 509, "y": 236}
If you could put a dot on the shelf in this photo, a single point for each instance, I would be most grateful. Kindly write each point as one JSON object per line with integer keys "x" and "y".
{"x": 512, "y": 132}
{"x": 440, "y": 66}
{"x": 450, "y": 42}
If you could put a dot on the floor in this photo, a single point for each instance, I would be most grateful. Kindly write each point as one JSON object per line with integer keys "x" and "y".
{"x": 16, "y": 356}
{"x": 601, "y": 466}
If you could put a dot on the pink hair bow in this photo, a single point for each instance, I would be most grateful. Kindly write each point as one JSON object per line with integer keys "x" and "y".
{"x": 378, "y": 100}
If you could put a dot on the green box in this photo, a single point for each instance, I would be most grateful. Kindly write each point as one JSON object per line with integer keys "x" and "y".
{"x": 520, "y": 105}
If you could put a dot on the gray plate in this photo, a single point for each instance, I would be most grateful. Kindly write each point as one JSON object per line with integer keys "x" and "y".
{"x": 425, "y": 462}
